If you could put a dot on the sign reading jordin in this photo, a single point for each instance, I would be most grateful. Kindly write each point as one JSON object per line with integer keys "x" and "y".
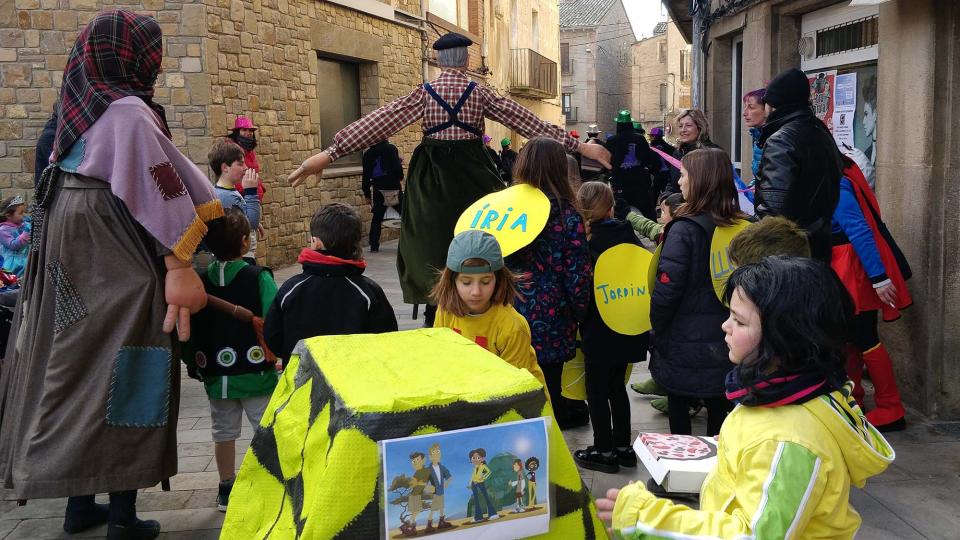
{"x": 620, "y": 288}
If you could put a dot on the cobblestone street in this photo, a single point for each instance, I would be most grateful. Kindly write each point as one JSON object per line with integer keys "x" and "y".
{"x": 914, "y": 499}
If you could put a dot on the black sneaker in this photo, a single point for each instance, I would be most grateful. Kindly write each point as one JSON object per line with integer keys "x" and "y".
{"x": 138, "y": 530}
{"x": 223, "y": 494}
{"x": 77, "y": 522}
{"x": 627, "y": 458}
{"x": 593, "y": 459}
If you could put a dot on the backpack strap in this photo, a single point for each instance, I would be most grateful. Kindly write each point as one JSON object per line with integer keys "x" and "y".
{"x": 452, "y": 112}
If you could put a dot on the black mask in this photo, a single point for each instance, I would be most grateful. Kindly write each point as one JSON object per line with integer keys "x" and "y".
{"x": 246, "y": 143}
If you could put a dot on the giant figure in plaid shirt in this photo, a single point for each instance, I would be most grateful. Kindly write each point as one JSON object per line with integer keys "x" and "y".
{"x": 450, "y": 168}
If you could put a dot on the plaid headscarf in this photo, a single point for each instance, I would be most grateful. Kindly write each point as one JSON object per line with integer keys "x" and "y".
{"x": 117, "y": 55}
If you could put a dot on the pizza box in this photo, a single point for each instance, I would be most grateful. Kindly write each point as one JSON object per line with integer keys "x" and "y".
{"x": 679, "y": 463}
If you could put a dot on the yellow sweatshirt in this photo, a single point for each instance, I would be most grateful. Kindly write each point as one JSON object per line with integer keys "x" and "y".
{"x": 782, "y": 472}
{"x": 501, "y": 330}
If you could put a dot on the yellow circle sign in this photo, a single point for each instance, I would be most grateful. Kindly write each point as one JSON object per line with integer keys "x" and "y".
{"x": 621, "y": 288}
{"x": 720, "y": 265}
{"x": 514, "y": 216}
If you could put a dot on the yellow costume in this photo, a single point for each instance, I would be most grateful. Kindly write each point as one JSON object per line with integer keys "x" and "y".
{"x": 312, "y": 467}
{"x": 501, "y": 330}
{"x": 782, "y": 472}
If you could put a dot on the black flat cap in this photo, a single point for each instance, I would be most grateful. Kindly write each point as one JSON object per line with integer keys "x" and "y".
{"x": 451, "y": 41}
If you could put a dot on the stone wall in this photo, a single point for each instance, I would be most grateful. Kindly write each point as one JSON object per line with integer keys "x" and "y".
{"x": 262, "y": 59}
{"x": 35, "y": 38}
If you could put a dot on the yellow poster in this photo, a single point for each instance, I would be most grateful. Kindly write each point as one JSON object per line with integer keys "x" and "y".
{"x": 514, "y": 216}
{"x": 720, "y": 265}
{"x": 621, "y": 288}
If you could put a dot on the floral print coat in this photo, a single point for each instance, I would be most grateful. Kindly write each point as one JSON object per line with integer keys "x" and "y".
{"x": 555, "y": 290}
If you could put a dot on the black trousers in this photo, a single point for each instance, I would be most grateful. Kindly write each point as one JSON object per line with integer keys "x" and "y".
{"x": 678, "y": 409}
{"x": 563, "y": 408}
{"x": 379, "y": 209}
{"x": 608, "y": 402}
{"x": 865, "y": 335}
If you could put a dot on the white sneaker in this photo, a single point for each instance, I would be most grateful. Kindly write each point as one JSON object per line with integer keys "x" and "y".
{"x": 493, "y": 517}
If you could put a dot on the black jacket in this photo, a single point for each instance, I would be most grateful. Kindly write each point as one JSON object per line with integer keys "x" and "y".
{"x": 689, "y": 355}
{"x": 508, "y": 158}
{"x": 633, "y": 167}
{"x": 382, "y": 168}
{"x": 597, "y": 340}
{"x": 799, "y": 175}
{"x": 330, "y": 297}
{"x": 660, "y": 144}
{"x": 673, "y": 185}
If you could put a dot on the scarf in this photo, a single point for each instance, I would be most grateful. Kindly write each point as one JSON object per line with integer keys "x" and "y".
{"x": 116, "y": 55}
{"x": 247, "y": 143}
{"x": 778, "y": 388}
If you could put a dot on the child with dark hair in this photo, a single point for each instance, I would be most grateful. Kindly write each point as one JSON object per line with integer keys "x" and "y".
{"x": 14, "y": 235}
{"x": 226, "y": 354}
{"x": 226, "y": 160}
{"x": 475, "y": 295}
{"x": 798, "y": 441}
{"x": 556, "y": 269}
{"x": 332, "y": 277}
{"x": 667, "y": 206}
{"x": 606, "y": 353}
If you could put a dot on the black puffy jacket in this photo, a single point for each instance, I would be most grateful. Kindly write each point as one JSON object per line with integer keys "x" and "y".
{"x": 598, "y": 342}
{"x": 689, "y": 355}
{"x": 799, "y": 175}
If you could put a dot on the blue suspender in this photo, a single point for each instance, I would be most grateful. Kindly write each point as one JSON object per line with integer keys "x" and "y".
{"x": 452, "y": 112}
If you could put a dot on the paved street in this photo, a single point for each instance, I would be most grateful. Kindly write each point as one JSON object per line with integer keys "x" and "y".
{"x": 916, "y": 498}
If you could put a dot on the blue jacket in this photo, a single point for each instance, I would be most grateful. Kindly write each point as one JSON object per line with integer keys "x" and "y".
{"x": 848, "y": 220}
{"x": 248, "y": 203}
{"x": 437, "y": 483}
{"x": 757, "y": 151}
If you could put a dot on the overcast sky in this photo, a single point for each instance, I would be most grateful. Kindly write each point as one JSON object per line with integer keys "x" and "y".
{"x": 644, "y": 15}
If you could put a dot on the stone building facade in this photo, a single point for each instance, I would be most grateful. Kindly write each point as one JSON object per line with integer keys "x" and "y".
{"x": 660, "y": 77}
{"x": 299, "y": 69}
{"x": 223, "y": 58}
{"x": 904, "y": 54}
{"x": 597, "y": 37}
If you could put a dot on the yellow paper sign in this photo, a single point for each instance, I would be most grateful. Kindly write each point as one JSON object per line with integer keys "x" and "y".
{"x": 720, "y": 265}
{"x": 621, "y": 288}
{"x": 514, "y": 216}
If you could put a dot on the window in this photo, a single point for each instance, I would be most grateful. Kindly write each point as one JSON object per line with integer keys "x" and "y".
{"x": 684, "y": 65}
{"x": 565, "y": 58}
{"x": 453, "y": 11}
{"x": 850, "y": 36}
{"x": 340, "y": 83}
{"x": 662, "y": 51}
{"x": 566, "y": 103}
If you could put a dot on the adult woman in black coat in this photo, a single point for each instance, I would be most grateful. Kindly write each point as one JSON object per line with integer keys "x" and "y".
{"x": 689, "y": 356}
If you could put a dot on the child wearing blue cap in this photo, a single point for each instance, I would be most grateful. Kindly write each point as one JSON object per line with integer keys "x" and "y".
{"x": 474, "y": 297}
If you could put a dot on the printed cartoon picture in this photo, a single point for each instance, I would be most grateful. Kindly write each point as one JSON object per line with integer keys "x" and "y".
{"x": 471, "y": 483}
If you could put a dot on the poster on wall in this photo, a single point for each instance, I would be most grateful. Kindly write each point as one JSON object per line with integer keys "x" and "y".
{"x": 844, "y": 109}
{"x": 863, "y": 148}
{"x": 821, "y": 95}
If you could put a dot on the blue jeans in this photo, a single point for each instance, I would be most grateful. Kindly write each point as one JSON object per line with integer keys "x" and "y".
{"x": 478, "y": 488}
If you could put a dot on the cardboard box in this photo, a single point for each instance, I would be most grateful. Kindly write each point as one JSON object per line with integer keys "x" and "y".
{"x": 679, "y": 463}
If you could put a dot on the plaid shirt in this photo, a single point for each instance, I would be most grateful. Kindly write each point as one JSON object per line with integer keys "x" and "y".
{"x": 418, "y": 105}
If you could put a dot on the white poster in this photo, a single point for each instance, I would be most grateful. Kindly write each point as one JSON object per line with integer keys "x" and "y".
{"x": 844, "y": 109}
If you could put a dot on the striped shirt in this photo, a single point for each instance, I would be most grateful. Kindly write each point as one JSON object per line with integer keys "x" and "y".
{"x": 484, "y": 102}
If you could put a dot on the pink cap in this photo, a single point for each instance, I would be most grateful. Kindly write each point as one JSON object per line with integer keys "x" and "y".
{"x": 243, "y": 122}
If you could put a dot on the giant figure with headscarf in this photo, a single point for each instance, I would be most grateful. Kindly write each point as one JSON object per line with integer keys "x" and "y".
{"x": 450, "y": 168}
{"x": 89, "y": 386}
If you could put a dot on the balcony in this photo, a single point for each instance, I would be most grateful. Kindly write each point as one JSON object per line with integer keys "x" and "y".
{"x": 532, "y": 74}
{"x": 571, "y": 114}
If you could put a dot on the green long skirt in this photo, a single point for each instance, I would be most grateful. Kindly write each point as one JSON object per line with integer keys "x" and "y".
{"x": 445, "y": 177}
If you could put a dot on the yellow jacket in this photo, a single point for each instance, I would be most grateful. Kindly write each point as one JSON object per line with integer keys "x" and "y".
{"x": 501, "y": 330}
{"x": 782, "y": 472}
